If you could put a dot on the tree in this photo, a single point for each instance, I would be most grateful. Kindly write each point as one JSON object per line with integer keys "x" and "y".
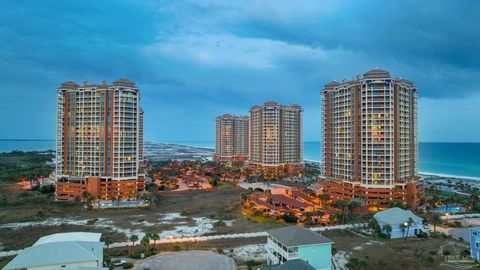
{"x": 374, "y": 226}
{"x": 409, "y": 224}
{"x": 403, "y": 228}
{"x": 388, "y": 229}
{"x": 434, "y": 218}
{"x": 133, "y": 239}
{"x": 146, "y": 241}
{"x": 289, "y": 218}
{"x": 155, "y": 237}
{"x": 474, "y": 200}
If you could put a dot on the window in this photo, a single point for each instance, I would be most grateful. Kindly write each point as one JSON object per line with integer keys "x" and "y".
{"x": 313, "y": 249}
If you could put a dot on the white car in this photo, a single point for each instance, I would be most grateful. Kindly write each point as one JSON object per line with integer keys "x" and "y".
{"x": 119, "y": 262}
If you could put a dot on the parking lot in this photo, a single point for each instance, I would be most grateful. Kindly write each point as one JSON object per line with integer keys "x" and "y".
{"x": 191, "y": 259}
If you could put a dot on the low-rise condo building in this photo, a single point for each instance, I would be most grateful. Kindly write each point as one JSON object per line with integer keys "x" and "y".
{"x": 276, "y": 139}
{"x": 99, "y": 141}
{"x": 294, "y": 242}
{"x": 76, "y": 250}
{"x": 231, "y": 137}
{"x": 369, "y": 142}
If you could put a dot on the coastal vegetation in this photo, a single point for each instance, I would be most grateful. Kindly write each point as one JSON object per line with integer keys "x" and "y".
{"x": 17, "y": 164}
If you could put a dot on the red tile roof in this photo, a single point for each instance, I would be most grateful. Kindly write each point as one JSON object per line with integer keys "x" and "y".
{"x": 288, "y": 201}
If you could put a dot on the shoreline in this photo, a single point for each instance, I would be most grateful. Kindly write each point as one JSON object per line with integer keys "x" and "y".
{"x": 456, "y": 177}
{"x": 202, "y": 148}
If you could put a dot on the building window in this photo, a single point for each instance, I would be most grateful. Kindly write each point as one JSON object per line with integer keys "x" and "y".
{"x": 313, "y": 248}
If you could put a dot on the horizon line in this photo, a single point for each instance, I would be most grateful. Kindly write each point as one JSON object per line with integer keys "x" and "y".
{"x": 179, "y": 141}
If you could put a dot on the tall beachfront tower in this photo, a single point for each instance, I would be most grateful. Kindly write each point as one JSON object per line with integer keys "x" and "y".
{"x": 231, "y": 137}
{"x": 370, "y": 145}
{"x": 99, "y": 140}
{"x": 276, "y": 139}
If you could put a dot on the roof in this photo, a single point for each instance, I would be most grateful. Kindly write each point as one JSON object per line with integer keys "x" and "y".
{"x": 377, "y": 73}
{"x": 69, "y": 236}
{"x": 396, "y": 216}
{"x": 82, "y": 268}
{"x": 57, "y": 253}
{"x": 297, "y": 264}
{"x": 288, "y": 201}
{"x": 294, "y": 236}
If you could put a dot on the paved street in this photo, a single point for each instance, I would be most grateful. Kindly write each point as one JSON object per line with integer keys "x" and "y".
{"x": 191, "y": 259}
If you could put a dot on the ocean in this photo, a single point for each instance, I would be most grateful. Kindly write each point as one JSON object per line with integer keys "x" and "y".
{"x": 455, "y": 159}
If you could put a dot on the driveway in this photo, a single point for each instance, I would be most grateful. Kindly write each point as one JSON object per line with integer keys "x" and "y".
{"x": 458, "y": 233}
{"x": 191, "y": 259}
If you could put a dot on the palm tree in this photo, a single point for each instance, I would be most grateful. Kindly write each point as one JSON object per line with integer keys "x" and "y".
{"x": 403, "y": 227}
{"x": 409, "y": 224}
{"x": 146, "y": 241}
{"x": 388, "y": 229}
{"x": 155, "y": 237}
{"x": 133, "y": 239}
{"x": 434, "y": 219}
{"x": 108, "y": 242}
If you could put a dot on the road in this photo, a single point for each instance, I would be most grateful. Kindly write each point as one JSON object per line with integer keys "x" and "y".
{"x": 203, "y": 238}
{"x": 191, "y": 259}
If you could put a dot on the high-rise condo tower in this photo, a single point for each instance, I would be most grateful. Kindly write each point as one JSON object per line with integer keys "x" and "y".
{"x": 276, "y": 139}
{"x": 369, "y": 142}
{"x": 231, "y": 137}
{"x": 99, "y": 141}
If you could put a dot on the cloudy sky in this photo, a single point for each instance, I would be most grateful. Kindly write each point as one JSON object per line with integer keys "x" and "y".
{"x": 194, "y": 60}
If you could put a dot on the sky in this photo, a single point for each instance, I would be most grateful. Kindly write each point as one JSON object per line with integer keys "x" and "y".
{"x": 194, "y": 60}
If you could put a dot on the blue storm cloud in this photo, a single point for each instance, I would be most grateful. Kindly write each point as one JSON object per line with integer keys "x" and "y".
{"x": 196, "y": 59}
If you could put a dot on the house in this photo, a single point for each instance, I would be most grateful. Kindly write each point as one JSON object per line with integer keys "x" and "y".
{"x": 294, "y": 242}
{"x": 77, "y": 250}
{"x": 475, "y": 243}
{"x": 398, "y": 219}
{"x": 297, "y": 264}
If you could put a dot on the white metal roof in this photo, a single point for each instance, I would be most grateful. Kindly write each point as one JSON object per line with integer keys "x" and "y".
{"x": 396, "y": 216}
{"x": 69, "y": 236}
{"x": 53, "y": 253}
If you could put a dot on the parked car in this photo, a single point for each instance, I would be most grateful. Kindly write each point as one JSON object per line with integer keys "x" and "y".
{"x": 119, "y": 262}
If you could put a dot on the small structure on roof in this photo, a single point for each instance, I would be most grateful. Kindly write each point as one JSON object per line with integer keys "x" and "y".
{"x": 403, "y": 223}
{"x": 294, "y": 242}
{"x": 77, "y": 250}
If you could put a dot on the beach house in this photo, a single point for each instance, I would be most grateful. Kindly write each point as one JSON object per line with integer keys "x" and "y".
{"x": 294, "y": 242}
{"x": 398, "y": 223}
{"x": 475, "y": 243}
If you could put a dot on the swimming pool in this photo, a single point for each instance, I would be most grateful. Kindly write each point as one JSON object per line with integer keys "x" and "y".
{"x": 449, "y": 209}
{"x": 110, "y": 204}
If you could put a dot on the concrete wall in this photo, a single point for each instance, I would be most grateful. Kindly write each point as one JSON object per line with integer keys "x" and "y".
{"x": 58, "y": 266}
{"x": 318, "y": 256}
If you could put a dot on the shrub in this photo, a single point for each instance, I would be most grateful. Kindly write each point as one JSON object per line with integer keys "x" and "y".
{"x": 92, "y": 221}
{"x": 289, "y": 218}
{"x": 47, "y": 189}
{"x": 220, "y": 223}
{"x": 128, "y": 265}
{"x": 430, "y": 259}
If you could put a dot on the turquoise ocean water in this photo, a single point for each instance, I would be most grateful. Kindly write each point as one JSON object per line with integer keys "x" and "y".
{"x": 459, "y": 159}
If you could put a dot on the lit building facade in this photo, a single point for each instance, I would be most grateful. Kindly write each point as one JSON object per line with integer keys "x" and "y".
{"x": 370, "y": 145}
{"x": 231, "y": 137}
{"x": 99, "y": 141}
{"x": 276, "y": 139}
